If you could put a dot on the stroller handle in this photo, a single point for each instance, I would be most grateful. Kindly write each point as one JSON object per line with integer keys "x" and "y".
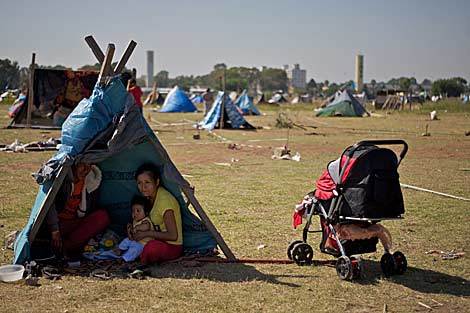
{"x": 373, "y": 143}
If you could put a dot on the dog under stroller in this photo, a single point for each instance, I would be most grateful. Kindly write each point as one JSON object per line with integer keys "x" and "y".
{"x": 352, "y": 196}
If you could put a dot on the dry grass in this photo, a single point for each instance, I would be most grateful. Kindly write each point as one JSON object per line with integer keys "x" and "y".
{"x": 251, "y": 203}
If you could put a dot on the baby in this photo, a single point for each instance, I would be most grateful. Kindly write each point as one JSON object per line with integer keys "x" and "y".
{"x": 132, "y": 249}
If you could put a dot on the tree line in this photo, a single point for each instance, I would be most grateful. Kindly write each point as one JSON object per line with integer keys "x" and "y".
{"x": 12, "y": 76}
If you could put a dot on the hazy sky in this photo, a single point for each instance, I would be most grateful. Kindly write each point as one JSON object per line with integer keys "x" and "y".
{"x": 425, "y": 39}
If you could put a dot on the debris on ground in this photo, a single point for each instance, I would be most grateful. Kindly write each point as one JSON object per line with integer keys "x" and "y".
{"x": 234, "y": 146}
{"x": 283, "y": 153}
{"x": 283, "y": 121}
{"x": 17, "y": 146}
{"x": 261, "y": 247}
{"x": 447, "y": 255}
{"x": 467, "y": 133}
{"x": 433, "y": 115}
{"x": 426, "y": 133}
{"x": 10, "y": 239}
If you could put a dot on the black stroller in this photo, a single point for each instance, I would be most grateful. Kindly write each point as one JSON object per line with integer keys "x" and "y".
{"x": 356, "y": 191}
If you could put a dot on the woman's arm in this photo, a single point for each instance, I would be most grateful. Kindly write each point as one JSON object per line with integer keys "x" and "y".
{"x": 171, "y": 233}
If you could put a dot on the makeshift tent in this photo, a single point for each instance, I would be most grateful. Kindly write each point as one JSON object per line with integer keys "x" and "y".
{"x": 344, "y": 104}
{"x": 196, "y": 99}
{"x": 108, "y": 130}
{"x": 177, "y": 101}
{"x": 232, "y": 118}
{"x": 246, "y": 105}
{"x": 260, "y": 99}
{"x": 55, "y": 94}
{"x": 277, "y": 98}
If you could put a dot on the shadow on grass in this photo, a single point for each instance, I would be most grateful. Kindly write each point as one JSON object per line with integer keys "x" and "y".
{"x": 422, "y": 280}
{"x": 229, "y": 273}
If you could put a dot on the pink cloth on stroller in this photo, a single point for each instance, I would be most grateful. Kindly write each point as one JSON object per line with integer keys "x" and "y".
{"x": 355, "y": 232}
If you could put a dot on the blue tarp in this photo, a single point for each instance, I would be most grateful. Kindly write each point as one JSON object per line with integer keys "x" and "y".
{"x": 108, "y": 130}
{"x": 245, "y": 104}
{"x": 232, "y": 117}
{"x": 197, "y": 99}
{"x": 177, "y": 101}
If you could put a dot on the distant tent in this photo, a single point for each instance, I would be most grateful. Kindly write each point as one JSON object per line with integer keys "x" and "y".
{"x": 344, "y": 104}
{"x": 260, "y": 99}
{"x": 152, "y": 99}
{"x": 233, "y": 96}
{"x": 196, "y": 99}
{"x": 55, "y": 94}
{"x": 245, "y": 104}
{"x": 177, "y": 101}
{"x": 277, "y": 98}
{"x": 232, "y": 117}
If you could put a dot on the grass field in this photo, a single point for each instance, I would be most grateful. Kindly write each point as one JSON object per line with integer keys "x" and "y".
{"x": 251, "y": 203}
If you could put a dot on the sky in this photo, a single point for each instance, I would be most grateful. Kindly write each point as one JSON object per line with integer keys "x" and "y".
{"x": 420, "y": 38}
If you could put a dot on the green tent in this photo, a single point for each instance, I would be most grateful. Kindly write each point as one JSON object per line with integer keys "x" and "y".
{"x": 344, "y": 104}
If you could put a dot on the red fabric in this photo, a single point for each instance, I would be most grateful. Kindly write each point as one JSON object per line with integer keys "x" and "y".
{"x": 325, "y": 184}
{"x": 76, "y": 232}
{"x": 297, "y": 219}
{"x": 73, "y": 202}
{"x": 159, "y": 251}
{"x": 137, "y": 93}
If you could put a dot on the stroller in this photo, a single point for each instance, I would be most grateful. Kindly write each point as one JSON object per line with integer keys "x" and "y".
{"x": 354, "y": 193}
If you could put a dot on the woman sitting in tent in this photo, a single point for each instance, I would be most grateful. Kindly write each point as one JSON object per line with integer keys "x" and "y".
{"x": 167, "y": 243}
{"x": 74, "y": 219}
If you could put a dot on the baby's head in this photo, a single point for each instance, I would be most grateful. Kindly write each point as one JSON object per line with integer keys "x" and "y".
{"x": 141, "y": 207}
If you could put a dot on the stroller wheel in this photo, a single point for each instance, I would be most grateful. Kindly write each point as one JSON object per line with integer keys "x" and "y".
{"x": 356, "y": 263}
{"x": 302, "y": 254}
{"x": 387, "y": 263}
{"x": 400, "y": 262}
{"x": 344, "y": 268}
{"x": 291, "y": 246}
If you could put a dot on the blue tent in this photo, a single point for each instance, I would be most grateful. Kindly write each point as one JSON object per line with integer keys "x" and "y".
{"x": 108, "y": 130}
{"x": 246, "y": 104}
{"x": 196, "y": 99}
{"x": 177, "y": 101}
{"x": 232, "y": 116}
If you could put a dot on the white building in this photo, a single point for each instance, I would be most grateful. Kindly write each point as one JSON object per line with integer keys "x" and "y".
{"x": 297, "y": 77}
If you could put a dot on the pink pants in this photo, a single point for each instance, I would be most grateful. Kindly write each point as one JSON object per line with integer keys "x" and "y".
{"x": 76, "y": 233}
{"x": 160, "y": 251}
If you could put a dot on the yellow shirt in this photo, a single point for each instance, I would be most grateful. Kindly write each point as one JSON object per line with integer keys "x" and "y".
{"x": 165, "y": 201}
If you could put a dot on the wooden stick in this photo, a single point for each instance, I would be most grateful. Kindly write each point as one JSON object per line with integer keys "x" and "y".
{"x": 49, "y": 199}
{"x": 31, "y": 91}
{"x": 424, "y": 305}
{"x": 125, "y": 57}
{"x": 106, "y": 66}
{"x": 96, "y": 50}
{"x": 197, "y": 206}
{"x": 434, "y": 192}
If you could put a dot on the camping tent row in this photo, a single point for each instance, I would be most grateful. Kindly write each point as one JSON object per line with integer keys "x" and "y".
{"x": 108, "y": 130}
{"x": 343, "y": 104}
{"x": 225, "y": 111}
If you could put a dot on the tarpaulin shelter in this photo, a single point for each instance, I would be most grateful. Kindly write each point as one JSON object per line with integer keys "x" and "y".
{"x": 55, "y": 93}
{"x": 108, "y": 130}
{"x": 177, "y": 101}
{"x": 231, "y": 118}
{"x": 344, "y": 104}
{"x": 245, "y": 104}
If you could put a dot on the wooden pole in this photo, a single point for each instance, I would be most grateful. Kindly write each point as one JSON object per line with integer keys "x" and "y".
{"x": 222, "y": 106}
{"x": 106, "y": 66}
{"x": 189, "y": 192}
{"x": 97, "y": 51}
{"x": 31, "y": 90}
{"x": 125, "y": 57}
